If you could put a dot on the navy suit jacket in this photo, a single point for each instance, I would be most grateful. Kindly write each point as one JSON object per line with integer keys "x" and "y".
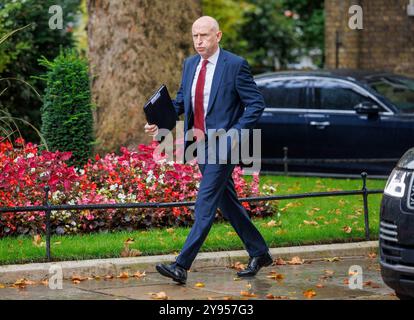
{"x": 235, "y": 101}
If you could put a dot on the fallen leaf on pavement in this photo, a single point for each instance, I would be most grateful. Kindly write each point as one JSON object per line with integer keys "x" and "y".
{"x": 295, "y": 261}
{"x": 310, "y": 293}
{"x": 23, "y": 282}
{"x": 2, "y": 286}
{"x": 247, "y": 294}
{"x": 271, "y": 296}
{"x": 334, "y": 259}
{"x": 372, "y": 255}
{"x": 238, "y": 266}
{"x": 78, "y": 278}
{"x": 276, "y": 276}
{"x": 139, "y": 274}
{"x": 346, "y": 281}
{"x": 159, "y": 295}
{"x": 279, "y": 262}
{"x": 371, "y": 284}
{"x": 123, "y": 275}
{"x": 108, "y": 276}
{"x": 320, "y": 285}
{"x": 199, "y": 285}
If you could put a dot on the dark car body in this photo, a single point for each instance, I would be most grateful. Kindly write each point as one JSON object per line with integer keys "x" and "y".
{"x": 326, "y": 117}
{"x": 397, "y": 228}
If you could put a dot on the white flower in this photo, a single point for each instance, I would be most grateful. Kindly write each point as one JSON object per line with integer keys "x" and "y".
{"x": 32, "y": 170}
{"x": 30, "y": 155}
{"x": 121, "y": 196}
{"x": 81, "y": 171}
{"x": 113, "y": 187}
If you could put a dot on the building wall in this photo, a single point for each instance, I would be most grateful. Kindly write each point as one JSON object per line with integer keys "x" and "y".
{"x": 386, "y": 41}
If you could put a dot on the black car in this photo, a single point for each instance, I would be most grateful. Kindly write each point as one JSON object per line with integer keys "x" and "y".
{"x": 397, "y": 228}
{"x": 339, "y": 121}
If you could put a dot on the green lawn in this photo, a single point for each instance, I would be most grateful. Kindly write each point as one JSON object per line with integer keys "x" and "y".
{"x": 301, "y": 221}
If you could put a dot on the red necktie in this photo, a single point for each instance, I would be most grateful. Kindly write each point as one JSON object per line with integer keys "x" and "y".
{"x": 199, "y": 97}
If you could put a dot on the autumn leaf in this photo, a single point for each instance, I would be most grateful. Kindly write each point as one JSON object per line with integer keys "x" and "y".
{"x": 2, "y": 286}
{"x": 371, "y": 284}
{"x": 139, "y": 274}
{"x": 247, "y": 294}
{"x": 23, "y": 282}
{"x": 310, "y": 293}
{"x": 273, "y": 223}
{"x": 347, "y": 229}
{"x": 295, "y": 261}
{"x": 78, "y": 278}
{"x": 127, "y": 252}
{"x": 372, "y": 255}
{"x": 231, "y": 233}
{"x": 129, "y": 241}
{"x": 313, "y": 223}
{"x": 76, "y": 281}
{"x": 237, "y": 279}
{"x": 199, "y": 285}
{"x": 108, "y": 277}
{"x": 320, "y": 285}
{"x": 238, "y": 266}
{"x": 45, "y": 282}
{"x": 271, "y": 296}
{"x": 346, "y": 281}
{"x": 123, "y": 275}
{"x": 276, "y": 276}
{"x": 279, "y": 262}
{"x": 159, "y": 295}
{"x": 170, "y": 230}
{"x": 37, "y": 241}
{"x": 56, "y": 243}
{"x": 334, "y": 259}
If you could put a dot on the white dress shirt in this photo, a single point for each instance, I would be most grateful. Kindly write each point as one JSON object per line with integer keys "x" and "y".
{"x": 211, "y": 66}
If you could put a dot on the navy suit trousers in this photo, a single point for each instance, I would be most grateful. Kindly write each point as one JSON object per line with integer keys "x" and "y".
{"x": 217, "y": 191}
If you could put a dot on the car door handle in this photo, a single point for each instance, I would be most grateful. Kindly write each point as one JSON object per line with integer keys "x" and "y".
{"x": 320, "y": 125}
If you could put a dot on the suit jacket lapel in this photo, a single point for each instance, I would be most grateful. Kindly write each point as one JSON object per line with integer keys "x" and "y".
{"x": 218, "y": 73}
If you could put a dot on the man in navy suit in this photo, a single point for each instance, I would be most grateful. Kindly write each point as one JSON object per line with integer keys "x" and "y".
{"x": 217, "y": 92}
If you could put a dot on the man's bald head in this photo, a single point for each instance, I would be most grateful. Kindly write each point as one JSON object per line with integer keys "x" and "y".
{"x": 207, "y": 21}
{"x": 206, "y": 36}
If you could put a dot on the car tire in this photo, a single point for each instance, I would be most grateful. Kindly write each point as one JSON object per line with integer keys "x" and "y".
{"x": 403, "y": 296}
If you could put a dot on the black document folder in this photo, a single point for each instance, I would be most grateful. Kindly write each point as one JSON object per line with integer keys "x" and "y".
{"x": 160, "y": 110}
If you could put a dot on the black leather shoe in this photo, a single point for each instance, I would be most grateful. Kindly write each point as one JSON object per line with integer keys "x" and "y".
{"x": 172, "y": 271}
{"x": 255, "y": 264}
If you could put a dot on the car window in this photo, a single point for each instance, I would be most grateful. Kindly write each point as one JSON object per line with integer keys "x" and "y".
{"x": 399, "y": 90}
{"x": 284, "y": 93}
{"x": 334, "y": 95}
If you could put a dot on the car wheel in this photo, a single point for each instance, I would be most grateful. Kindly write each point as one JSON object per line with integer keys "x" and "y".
{"x": 403, "y": 296}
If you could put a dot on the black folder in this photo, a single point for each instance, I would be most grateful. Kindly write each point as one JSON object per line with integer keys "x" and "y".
{"x": 160, "y": 110}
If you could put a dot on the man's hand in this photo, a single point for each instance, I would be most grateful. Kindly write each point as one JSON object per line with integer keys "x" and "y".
{"x": 151, "y": 129}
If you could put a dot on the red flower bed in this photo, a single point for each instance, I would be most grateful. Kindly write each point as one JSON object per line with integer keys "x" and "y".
{"x": 132, "y": 176}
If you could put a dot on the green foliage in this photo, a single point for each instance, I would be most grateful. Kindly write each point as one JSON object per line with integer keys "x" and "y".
{"x": 263, "y": 30}
{"x": 67, "y": 121}
{"x": 19, "y": 56}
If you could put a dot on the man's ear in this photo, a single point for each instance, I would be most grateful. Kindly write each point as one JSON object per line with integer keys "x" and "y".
{"x": 219, "y": 35}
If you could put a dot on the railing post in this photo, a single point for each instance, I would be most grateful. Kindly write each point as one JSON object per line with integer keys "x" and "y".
{"x": 285, "y": 160}
{"x": 48, "y": 212}
{"x": 365, "y": 198}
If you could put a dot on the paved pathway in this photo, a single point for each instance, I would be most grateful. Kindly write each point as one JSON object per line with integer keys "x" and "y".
{"x": 326, "y": 279}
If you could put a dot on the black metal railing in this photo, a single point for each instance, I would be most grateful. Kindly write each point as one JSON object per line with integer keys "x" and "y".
{"x": 48, "y": 208}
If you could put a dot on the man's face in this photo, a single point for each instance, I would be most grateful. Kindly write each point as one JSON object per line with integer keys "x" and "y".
{"x": 205, "y": 38}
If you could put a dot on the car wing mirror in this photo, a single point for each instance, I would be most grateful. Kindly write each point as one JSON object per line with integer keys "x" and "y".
{"x": 367, "y": 108}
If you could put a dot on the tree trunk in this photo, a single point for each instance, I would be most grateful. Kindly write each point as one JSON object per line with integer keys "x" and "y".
{"x": 134, "y": 47}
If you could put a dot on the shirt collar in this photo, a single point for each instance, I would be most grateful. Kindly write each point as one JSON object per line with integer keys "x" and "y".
{"x": 213, "y": 59}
